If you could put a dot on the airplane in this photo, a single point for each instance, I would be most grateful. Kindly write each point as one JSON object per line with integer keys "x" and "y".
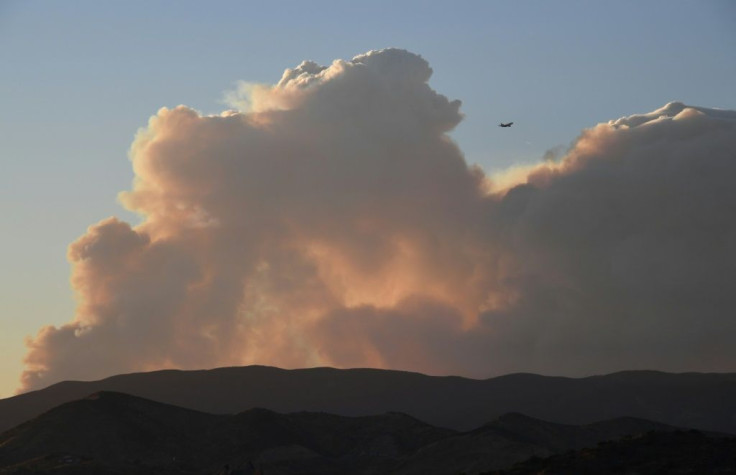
{"x": 508, "y": 124}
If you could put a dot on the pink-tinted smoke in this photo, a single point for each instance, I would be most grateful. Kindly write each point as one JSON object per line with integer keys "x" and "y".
{"x": 333, "y": 221}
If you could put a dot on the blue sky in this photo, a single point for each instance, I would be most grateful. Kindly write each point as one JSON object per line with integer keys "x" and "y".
{"x": 79, "y": 78}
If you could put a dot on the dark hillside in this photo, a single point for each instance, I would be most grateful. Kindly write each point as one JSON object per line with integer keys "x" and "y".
{"x": 654, "y": 453}
{"x": 117, "y": 433}
{"x": 697, "y": 400}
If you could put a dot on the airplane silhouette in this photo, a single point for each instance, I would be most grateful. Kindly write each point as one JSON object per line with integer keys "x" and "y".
{"x": 508, "y": 124}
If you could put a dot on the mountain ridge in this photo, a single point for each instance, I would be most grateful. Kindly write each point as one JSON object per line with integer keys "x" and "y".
{"x": 704, "y": 401}
{"x": 111, "y": 432}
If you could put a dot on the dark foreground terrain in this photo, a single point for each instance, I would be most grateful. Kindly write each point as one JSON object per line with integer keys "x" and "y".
{"x": 115, "y": 433}
{"x": 678, "y": 452}
{"x": 703, "y": 401}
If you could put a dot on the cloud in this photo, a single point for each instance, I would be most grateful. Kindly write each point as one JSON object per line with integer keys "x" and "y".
{"x": 332, "y": 221}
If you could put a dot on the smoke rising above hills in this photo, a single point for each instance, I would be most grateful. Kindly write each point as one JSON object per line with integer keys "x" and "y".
{"x": 332, "y": 221}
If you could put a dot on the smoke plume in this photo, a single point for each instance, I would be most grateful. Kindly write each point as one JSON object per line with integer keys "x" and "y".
{"x": 332, "y": 221}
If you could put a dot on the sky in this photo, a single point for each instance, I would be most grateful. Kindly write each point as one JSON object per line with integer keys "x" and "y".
{"x": 80, "y": 80}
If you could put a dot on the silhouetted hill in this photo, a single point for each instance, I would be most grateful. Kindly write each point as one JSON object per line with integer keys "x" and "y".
{"x": 108, "y": 429}
{"x": 116, "y": 433}
{"x": 705, "y": 401}
{"x": 681, "y": 452}
{"x": 515, "y": 437}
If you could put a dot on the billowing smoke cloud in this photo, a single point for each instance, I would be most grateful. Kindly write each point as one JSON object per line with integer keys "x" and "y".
{"x": 332, "y": 221}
